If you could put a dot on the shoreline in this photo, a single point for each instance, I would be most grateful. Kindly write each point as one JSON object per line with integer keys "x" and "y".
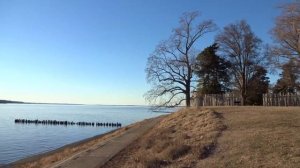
{"x": 36, "y": 157}
{"x": 69, "y": 150}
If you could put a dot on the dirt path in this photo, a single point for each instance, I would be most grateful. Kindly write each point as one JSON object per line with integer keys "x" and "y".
{"x": 98, "y": 154}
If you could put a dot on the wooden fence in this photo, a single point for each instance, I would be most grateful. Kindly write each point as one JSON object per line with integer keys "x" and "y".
{"x": 228, "y": 99}
{"x": 231, "y": 99}
{"x": 281, "y": 99}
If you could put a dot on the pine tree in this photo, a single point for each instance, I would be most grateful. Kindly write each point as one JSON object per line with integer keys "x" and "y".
{"x": 212, "y": 71}
{"x": 288, "y": 82}
{"x": 258, "y": 85}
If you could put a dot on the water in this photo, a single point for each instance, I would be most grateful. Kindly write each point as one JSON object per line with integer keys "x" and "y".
{"x": 22, "y": 140}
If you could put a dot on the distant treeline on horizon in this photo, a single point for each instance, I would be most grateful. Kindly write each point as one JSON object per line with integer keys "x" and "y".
{"x": 20, "y": 102}
{"x": 9, "y": 101}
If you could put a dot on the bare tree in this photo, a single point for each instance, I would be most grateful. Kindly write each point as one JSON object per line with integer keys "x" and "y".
{"x": 286, "y": 34}
{"x": 241, "y": 47}
{"x": 170, "y": 67}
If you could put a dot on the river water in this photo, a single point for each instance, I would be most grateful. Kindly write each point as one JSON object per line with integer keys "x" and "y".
{"x": 18, "y": 141}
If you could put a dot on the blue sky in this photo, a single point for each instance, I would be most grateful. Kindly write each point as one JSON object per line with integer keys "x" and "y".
{"x": 95, "y": 51}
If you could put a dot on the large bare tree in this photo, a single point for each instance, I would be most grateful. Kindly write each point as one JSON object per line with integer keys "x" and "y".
{"x": 286, "y": 34}
{"x": 170, "y": 67}
{"x": 241, "y": 47}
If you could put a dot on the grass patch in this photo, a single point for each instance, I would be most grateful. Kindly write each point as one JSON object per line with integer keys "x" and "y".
{"x": 155, "y": 163}
{"x": 179, "y": 140}
{"x": 257, "y": 137}
{"x": 254, "y": 137}
{"x": 178, "y": 151}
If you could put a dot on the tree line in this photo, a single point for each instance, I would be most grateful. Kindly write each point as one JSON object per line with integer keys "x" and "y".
{"x": 237, "y": 61}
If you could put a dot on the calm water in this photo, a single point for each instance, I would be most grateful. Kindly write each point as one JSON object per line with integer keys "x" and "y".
{"x": 20, "y": 140}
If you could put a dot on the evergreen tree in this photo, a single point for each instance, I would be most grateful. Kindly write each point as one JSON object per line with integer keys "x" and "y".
{"x": 258, "y": 85}
{"x": 212, "y": 71}
{"x": 288, "y": 83}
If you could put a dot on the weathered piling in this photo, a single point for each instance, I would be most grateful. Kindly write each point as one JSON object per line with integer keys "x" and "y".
{"x": 66, "y": 123}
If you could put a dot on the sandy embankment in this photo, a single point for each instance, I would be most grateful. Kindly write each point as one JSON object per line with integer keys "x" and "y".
{"x": 51, "y": 158}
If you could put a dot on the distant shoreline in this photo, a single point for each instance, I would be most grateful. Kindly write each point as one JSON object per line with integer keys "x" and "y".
{"x": 9, "y": 101}
{"x": 20, "y": 102}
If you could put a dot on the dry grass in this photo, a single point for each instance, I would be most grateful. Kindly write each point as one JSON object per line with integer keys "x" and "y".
{"x": 258, "y": 137}
{"x": 254, "y": 137}
{"x": 181, "y": 139}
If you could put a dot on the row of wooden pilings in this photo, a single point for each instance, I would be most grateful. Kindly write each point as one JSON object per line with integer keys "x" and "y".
{"x": 65, "y": 123}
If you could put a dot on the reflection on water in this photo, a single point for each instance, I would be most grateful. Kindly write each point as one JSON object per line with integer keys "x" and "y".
{"x": 21, "y": 140}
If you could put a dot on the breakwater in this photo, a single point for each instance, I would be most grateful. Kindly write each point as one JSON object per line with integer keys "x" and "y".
{"x": 66, "y": 123}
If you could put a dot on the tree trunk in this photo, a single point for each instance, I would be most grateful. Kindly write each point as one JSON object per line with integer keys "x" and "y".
{"x": 188, "y": 100}
{"x": 243, "y": 95}
{"x": 243, "y": 99}
{"x": 243, "y": 87}
{"x": 188, "y": 94}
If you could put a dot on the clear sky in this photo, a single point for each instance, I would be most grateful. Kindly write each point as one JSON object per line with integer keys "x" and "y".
{"x": 95, "y": 51}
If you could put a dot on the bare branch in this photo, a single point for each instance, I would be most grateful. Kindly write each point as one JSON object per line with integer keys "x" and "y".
{"x": 241, "y": 47}
{"x": 170, "y": 67}
{"x": 286, "y": 34}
